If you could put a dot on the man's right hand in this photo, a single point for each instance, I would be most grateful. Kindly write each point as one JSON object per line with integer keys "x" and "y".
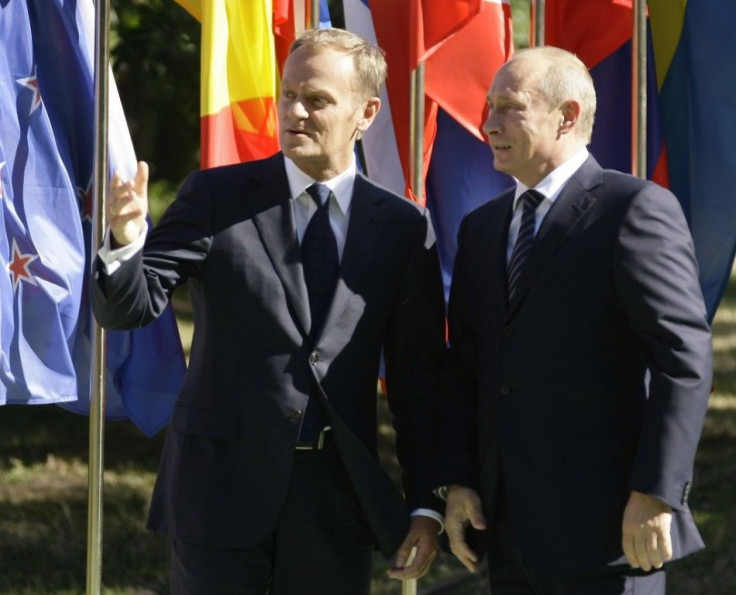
{"x": 127, "y": 206}
{"x": 463, "y": 508}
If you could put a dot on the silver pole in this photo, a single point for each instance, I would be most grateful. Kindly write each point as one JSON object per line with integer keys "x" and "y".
{"x": 416, "y": 140}
{"x": 416, "y": 161}
{"x": 95, "y": 479}
{"x": 537, "y": 22}
{"x": 639, "y": 90}
{"x": 409, "y": 587}
{"x": 315, "y": 14}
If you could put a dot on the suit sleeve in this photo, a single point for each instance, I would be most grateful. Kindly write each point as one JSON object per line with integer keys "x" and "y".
{"x": 139, "y": 290}
{"x": 656, "y": 277}
{"x": 413, "y": 352}
{"x": 455, "y": 456}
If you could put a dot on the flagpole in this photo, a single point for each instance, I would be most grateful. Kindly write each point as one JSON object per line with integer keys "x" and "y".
{"x": 314, "y": 15}
{"x": 416, "y": 176}
{"x": 536, "y": 23}
{"x": 639, "y": 90}
{"x": 95, "y": 480}
{"x": 416, "y": 131}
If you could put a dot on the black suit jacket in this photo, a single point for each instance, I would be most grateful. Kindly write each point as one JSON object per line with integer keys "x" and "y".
{"x": 228, "y": 453}
{"x": 593, "y": 382}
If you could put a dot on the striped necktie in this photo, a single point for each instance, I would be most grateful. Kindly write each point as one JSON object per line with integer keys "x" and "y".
{"x": 531, "y": 199}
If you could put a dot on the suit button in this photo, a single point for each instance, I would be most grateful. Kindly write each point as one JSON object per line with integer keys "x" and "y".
{"x": 505, "y": 390}
{"x": 313, "y": 357}
{"x": 294, "y": 414}
{"x": 507, "y": 331}
{"x": 686, "y": 493}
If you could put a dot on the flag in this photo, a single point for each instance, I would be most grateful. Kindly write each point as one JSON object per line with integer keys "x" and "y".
{"x": 458, "y": 162}
{"x": 239, "y": 78}
{"x": 696, "y": 68}
{"x": 599, "y": 33}
{"x": 244, "y": 46}
{"x": 46, "y": 157}
{"x": 461, "y": 176}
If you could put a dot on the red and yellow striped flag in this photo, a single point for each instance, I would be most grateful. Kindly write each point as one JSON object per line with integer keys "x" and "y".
{"x": 240, "y": 77}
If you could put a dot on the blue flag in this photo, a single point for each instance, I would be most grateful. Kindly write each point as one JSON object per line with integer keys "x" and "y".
{"x": 46, "y": 159}
{"x": 696, "y": 67}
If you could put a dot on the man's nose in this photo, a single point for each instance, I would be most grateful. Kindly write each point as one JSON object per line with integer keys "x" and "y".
{"x": 491, "y": 124}
{"x": 297, "y": 109}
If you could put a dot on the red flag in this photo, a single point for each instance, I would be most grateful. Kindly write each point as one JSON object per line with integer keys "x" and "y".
{"x": 443, "y": 34}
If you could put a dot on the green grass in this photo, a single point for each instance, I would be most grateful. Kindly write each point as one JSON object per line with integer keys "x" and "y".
{"x": 43, "y": 496}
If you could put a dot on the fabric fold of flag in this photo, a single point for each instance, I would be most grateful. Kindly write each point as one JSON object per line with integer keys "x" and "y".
{"x": 599, "y": 33}
{"x": 458, "y": 163}
{"x": 696, "y": 58}
{"x": 46, "y": 155}
{"x": 239, "y": 78}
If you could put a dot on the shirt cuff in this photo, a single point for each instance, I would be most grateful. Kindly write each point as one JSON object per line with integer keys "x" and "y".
{"x": 433, "y": 514}
{"x": 112, "y": 258}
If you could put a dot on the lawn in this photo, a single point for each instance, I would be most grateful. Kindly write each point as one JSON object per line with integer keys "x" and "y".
{"x": 43, "y": 494}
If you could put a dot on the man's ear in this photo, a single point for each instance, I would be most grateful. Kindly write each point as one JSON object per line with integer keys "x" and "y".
{"x": 569, "y": 115}
{"x": 370, "y": 110}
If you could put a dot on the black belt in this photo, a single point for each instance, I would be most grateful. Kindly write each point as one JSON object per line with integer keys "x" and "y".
{"x": 324, "y": 440}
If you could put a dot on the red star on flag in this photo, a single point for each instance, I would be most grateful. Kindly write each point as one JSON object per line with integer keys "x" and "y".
{"x": 18, "y": 267}
{"x": 31, "y": 83}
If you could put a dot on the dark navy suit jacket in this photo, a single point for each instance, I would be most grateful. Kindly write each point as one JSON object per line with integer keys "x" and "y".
{"x": 229, "y": 450}
{"x": 592, "y": 382}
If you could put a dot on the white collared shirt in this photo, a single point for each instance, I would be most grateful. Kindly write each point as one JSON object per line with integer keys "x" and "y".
{"x": 551, "y": 187}
{"x": 340, "y": 201}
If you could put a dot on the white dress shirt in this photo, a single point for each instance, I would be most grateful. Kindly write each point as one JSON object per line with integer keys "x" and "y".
{"x": 551, "y": 187}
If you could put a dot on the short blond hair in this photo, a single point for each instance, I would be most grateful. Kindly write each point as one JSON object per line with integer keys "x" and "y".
{"x": 368, "y": 59}
{"x": 565, "y": 78}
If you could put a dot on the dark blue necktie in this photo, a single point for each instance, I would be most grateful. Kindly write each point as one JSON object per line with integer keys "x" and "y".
{"x": 321, "y": 264}
{"x": 531, "y": 199}
{"x": 319, "y": 258}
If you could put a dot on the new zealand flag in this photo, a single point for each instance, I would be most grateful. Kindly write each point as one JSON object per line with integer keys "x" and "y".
{"x": 46, "y": 159}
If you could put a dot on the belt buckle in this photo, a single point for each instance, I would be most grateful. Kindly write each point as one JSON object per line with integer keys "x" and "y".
{"x": 318, "y": 444}
{"x": 321, "y": 437}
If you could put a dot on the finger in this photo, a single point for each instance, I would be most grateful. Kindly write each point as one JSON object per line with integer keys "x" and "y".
{"x": 665, "y": 546}
{"x": 418, "y": 567}
{"x": 116, "y": 181}
{"x": 640, "y": 551}
{"x": 477, "y": 519}
{"x": 463, "y": 553}
{"x": 141, "y": 178}
{"x": 629, "y": 551}
{"x": 653, "y": 554}
{"x": 402, "y": 555}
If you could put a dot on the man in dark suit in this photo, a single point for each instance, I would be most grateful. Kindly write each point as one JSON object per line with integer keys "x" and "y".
{"x": 579, "y": 365}
{"x": 269, "y": 480}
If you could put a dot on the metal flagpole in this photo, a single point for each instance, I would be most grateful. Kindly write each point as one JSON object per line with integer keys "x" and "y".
{"x": 315, "y": 14}
{"x": 536, "y": 23}
{"x": 639, "y": 90}
{"x": 416, "y": 175}
{"x": 416, "y": 131}
{"x": 95, "y": 479}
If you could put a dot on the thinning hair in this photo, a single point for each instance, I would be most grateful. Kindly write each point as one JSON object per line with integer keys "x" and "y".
{"x": 368, "y": 59}
{"x": 565, "y": 78}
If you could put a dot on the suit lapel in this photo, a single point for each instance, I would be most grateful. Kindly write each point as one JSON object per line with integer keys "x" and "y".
{"x": 566, "y": 212}
{"x": 273, "y": 216}
{"x": 366, "y": 217}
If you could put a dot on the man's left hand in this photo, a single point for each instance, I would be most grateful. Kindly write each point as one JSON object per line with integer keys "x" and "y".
{"x": 647, "y": 542}
{"x": 424, "y": 535}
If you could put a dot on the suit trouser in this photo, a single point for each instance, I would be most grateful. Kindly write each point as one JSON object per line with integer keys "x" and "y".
{"x": 322, "y": 544}
{"x": 508, "y": 575}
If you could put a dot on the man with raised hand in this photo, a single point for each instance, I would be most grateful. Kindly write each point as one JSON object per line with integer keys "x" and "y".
{"x": 302, "y": 274}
